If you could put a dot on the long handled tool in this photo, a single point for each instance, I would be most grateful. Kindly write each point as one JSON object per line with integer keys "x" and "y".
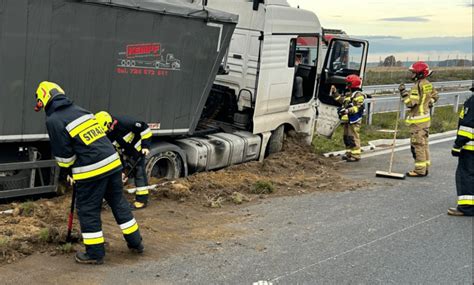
{"x": 71, "y": 214}
{"x": 389, "y": 173}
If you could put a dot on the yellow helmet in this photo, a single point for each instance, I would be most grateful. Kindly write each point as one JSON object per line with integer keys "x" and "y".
{"x": 104, "y": 119}
{"x": 45, "y": 92}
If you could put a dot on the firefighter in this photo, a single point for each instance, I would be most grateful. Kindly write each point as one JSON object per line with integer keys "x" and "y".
{"x": 132, "y": 138}
{"x": 351, "y": 113}
{"x": 80, "y": 146}
{"x": 419, "y": 100}
{"x": 464, "y": 149}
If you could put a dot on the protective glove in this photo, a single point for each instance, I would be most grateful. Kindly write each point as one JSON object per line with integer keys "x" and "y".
{"x": 70, "y": 180}
{"x": 431, "y": 103}
{"x": 343, "y": 112}
{"x": 401, "y": 87}
{"x": 333, "y": 91}
{"x": 124, "y": 178}
{"x": 456, "y": 151}
{"x": 145, "y": 151}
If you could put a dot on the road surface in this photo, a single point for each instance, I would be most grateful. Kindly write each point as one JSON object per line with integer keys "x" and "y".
{"x": 393, "y": 232}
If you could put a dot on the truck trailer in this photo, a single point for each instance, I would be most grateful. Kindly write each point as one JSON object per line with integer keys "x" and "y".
{"x": 213, "y": 79}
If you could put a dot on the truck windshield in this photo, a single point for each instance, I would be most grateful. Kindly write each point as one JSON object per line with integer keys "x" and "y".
{"x": 346, "y": 56}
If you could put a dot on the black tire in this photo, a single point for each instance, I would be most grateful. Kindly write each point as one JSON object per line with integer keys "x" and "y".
{"x": 166, "y": 165}
{"x": 18, "y": 180}
{"x": 275, "y": 144}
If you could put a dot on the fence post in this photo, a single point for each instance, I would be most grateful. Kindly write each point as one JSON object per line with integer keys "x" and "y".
{"x": 369, "y": 107}
{"x": 456, "y": 103}
{"x": 402, "y": 110}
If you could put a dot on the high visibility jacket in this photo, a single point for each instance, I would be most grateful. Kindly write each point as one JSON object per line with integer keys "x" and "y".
{"x": 419, "y": 99}
{"x": 465, "y": 135}
{"x": 78, "y": 142}
{"x": 129, "y": 135}
{"x": 354, "y": 103}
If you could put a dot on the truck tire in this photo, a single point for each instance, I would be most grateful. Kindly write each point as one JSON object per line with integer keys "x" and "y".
{"x": 19, "y": 180}
{"x": 275, "y": 144}
{"x": 166, "y": 165}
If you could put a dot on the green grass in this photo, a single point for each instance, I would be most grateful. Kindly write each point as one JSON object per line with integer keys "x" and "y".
{"x": 262, "y": 187}
{"x": 444, "y": 119}
{"x": 44, "y": 235}
{"x": 395, "y": 75}
{"x": 27, "y": 208}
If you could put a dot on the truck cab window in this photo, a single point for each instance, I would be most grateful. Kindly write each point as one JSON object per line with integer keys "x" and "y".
{"x": 306, "y": 58}
{"x": 345, "y": 58}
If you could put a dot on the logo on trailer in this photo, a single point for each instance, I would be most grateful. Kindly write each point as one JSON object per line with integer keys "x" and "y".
{"x": 143, "y": 50}
{"x": 147, "y": 59}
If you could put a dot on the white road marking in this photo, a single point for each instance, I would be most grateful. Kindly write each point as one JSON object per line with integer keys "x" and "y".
{"x": 356, "y": 248}
{"x": 405, "y": 147}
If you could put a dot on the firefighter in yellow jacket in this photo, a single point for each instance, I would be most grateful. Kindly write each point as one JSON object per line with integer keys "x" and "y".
{"x": 351, "y": 112}
{"x": 419, "y": 100}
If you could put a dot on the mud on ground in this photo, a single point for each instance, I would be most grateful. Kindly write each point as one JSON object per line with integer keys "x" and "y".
{"x": 180, "y": 211}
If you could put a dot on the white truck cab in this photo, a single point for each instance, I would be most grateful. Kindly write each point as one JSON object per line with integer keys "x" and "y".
{"x": 262, "y": 63}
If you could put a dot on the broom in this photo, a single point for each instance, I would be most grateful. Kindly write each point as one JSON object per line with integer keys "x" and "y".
{"x": 389, "y": 173}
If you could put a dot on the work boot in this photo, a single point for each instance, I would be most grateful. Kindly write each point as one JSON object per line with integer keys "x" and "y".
{"x": 455, "y": 212}
{"x": 345, "y": 156}
{"x": 139, "y": 249}
{"x": 352, "y": 159}
{"x": 84, "y": 258}
{"x": 137, "y": 205}
{"x": 416, "y": 174}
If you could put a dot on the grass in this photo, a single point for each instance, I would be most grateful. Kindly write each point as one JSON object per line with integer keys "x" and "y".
{"x": 444, "y": 119}
{"x": 395, "y": 75}
{"x": 27, "y": 208}
{"x": 262, "y": 187}
{"x": 44, "y": 235}
{"x": 66, "y": 248}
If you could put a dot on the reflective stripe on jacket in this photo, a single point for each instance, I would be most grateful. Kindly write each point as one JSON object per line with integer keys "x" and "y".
{"x": 354, "y": 103}
{"x": 465, "y": 135}
{"x": 77, "y": 141}
{"x": 130, "y": 135}
{"x": 419, "y": 99}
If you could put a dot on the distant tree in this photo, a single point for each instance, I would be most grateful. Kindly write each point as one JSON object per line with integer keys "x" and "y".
{"x": 399, "y": 63}
{"x": 390, "y": 61}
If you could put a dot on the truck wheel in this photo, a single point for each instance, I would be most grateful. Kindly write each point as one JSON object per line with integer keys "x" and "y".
{"x": 275, "y": 144}
{"x": 17, "y": 180}
{"x": 166, "y": 165}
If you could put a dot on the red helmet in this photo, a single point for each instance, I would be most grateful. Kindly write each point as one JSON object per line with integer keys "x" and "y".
{"x": 420, "y": 69}
{"x": 353, "y": 81}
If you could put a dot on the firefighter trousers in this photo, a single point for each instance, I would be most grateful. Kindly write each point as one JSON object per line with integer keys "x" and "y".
{"x": 141, "y": 182}
{"x": 465, "y": 182}
{"x": 352, "y": 140}
{"x": 89, "y": 205}
{"x": 419, "y": 139}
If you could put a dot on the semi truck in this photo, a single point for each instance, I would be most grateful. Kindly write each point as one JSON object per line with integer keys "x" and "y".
{"x": 230, "y": 101}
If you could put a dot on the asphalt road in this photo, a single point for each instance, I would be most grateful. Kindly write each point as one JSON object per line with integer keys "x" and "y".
{"x": 394, "y": 232}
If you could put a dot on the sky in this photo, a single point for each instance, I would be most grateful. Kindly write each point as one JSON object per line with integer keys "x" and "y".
{"x": 401, "y": 26}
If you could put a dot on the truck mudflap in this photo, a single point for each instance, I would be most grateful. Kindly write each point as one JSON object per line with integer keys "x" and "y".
{"x": 30, "y": 188}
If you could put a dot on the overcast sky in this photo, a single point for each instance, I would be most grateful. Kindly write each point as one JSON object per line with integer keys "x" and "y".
{"x": 404, "y": 18}
{"x": 400, "y": 26}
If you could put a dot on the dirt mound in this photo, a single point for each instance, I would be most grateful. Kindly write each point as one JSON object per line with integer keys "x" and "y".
{"x": 34, "y": 227}
{"x": 40, "y": 226}
{"x": 295, "y": 170}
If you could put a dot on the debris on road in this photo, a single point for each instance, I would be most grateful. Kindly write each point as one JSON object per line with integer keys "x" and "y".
{"x": 40, "y": 226}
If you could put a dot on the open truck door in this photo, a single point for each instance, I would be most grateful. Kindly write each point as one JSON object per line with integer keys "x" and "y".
{"x": 344, "y": 57}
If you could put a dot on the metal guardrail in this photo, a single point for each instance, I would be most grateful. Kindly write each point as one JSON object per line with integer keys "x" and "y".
{"x": 391, "y": 104}
{"x": 373, "y": 89}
